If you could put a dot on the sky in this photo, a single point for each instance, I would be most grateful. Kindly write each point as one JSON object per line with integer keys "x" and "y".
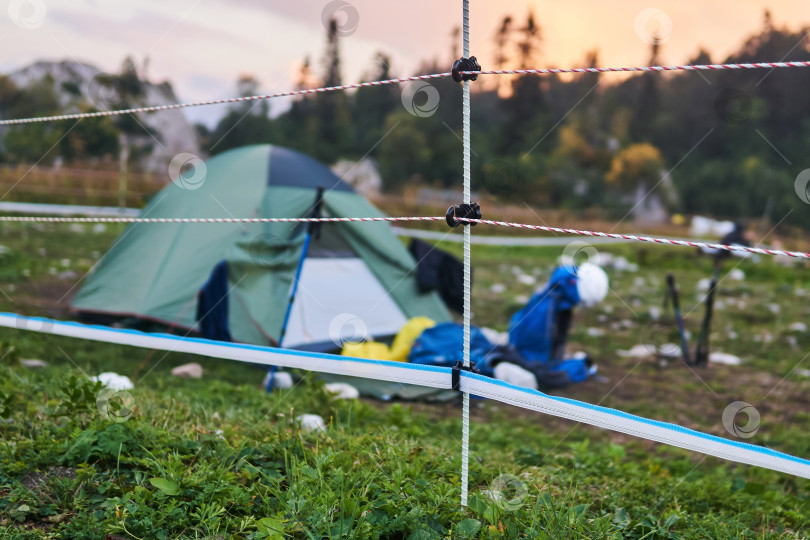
{"x": 203, "y": 46}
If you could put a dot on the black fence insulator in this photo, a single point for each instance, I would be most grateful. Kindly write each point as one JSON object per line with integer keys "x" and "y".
{"x": 467, "y": 211}
{"x": 465, "y": 64}
{"x": 457, "y": 369}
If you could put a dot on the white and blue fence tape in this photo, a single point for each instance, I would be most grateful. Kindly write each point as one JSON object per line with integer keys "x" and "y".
{"x": 434, "y": 377}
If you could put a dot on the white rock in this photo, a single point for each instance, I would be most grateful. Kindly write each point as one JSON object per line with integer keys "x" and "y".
{"x": 76, "y": 227}
{"x": 802, "y": 371}
{"x": 342, "y": 390}
{"x": 669, "y": 350}
{"x": 732, "y": 334}
{"x": 526, "y": 279}
{"x": 67, "y": 274}
{"x": 115, "y": 381}
{"x": 704, "y": 284}
{"x": 311, "y": 422}
{"x": 99, "y": 228}
{"x": 639, "y": 282}
{"x": 724, "y": 358}
{"x": 621, "y": 264}
{"x": 736, "y": 274}
{"x": 33, "y": 363}
{"x": 514, "y": 374}
{"x": 595, "y": 332}
{"x": 281, "y": 380}
{"x": 655, "y": 312}
{"x": 637, "y": 351}
{"x": 497, "y": 288}
{"x": 188, "y": 371}
{"x": 521, "y": 299}
{"x": 798, "y": 327}
{"x": 775, "y": 308}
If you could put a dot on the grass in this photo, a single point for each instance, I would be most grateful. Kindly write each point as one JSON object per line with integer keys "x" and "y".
{"x": 218, "y": 458}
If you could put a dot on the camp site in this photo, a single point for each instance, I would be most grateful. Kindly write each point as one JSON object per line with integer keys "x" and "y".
{"x": 354, "y": 269}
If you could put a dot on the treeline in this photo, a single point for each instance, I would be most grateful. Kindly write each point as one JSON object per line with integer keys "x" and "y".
{"x": 729, "y": 144}
{"x": 725, "y": 143}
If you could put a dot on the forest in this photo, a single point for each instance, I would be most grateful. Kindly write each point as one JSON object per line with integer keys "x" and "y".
{"x": 553, "y": 141}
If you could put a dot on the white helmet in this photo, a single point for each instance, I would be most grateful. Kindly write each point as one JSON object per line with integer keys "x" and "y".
{"x": 592, "y": 284}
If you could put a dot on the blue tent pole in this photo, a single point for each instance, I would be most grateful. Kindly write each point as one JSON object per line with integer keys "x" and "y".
{"x": 311, "y": 229}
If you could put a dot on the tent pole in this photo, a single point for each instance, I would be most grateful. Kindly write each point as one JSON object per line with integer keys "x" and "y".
{"x": 312, "y": 227}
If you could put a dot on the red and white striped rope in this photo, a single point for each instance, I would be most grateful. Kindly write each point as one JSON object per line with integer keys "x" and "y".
{"x": 156, "y": 108}
{"x": 707, "y": 67}
{"x": 50, "y": 219}
{"x": 559, "y": 230}
{"x": 667, "y": 241}
{"x": 77, "y": 116}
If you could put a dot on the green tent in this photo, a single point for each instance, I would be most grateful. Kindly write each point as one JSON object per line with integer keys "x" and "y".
{"x": 357, "y": 278}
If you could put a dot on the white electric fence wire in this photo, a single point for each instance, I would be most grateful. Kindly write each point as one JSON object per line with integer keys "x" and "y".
{"x": 649, "y": 239}
{"x": 513, "y": 241}
{"x": 55, "y": 219}
{"x": 428, "y": 376}
{"x": 465, "y": 114}
{"x": 156, "y": 108}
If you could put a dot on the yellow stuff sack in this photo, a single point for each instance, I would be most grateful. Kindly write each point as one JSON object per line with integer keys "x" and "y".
{"x": 371, "y": 350}
{"x": 401, "y": 347}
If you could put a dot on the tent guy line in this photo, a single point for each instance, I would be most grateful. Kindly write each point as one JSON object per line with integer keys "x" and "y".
{"x": 557, "y": 230}
{"x": 305, "y": 91}
{"x": 429, "y": 376}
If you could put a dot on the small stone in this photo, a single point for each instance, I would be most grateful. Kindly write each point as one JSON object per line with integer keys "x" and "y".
{"x": 595, "y": 332}
{"x": 281, "y": 380}
{"x": 99, "y": 228}
{"x": 526, "y": 279}
{"x": 497, "y": 288}
{"x": 724, "y": 358}
{"x": 798, "y": 327}
{"x": 342, "y": 390}
{"x": 311, "y": 422}
{"x": 115, "y": 381}
{"x": 637, "y": 351}
{"x": 736, "y": 274}
{"x": 33, "y": 363}
{"x": 188, "y": 371}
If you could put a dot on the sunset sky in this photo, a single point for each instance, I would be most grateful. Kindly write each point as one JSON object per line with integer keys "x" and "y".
{"x": 202, "y": 46}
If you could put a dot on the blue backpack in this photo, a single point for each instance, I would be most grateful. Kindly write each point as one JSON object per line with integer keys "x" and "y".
{"x": 442, "y": 345}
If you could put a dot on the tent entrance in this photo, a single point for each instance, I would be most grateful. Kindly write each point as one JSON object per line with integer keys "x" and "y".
{"x": 339, "y": 299}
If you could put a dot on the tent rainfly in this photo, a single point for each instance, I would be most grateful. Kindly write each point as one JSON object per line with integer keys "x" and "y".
{"x": 357, "y": 278}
